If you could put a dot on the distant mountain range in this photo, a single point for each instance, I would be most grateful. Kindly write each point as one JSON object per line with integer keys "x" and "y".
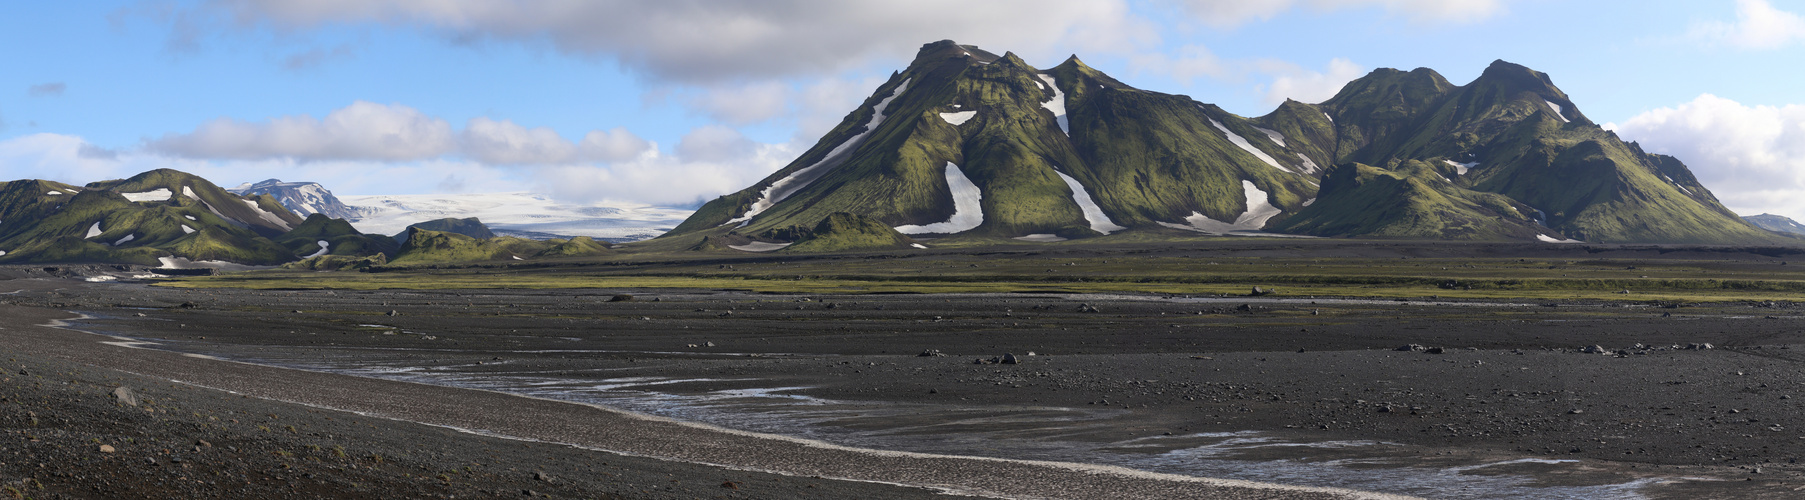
{"x": 967, "y": 145}
{"x": 303, "y": 198}
{"x": 1776, "y": 223}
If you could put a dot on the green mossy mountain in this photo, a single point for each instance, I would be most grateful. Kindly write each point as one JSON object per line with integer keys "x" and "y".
{"x": 1413, "y": 201}
{"x": 341, "y": 239}
{"x": 468, "y": 227}
{"x": 156, "y": 215}
{"x": 1508, "y": 156}
{"x": 437, "y": 247}
{"x": 844, "y": 232}
{"x": 1777, "y": 223}
{"x": 581, "y": 246}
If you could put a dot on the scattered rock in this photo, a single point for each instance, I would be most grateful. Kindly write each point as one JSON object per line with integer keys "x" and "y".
{"x": 1411, "y": 348}
{"x": 1435, "y": 350}
{"x": 621, "y": 298}
{"x": 1244, "y": 307}
{"x": 1698, "y": 347}
{"x": 189, "y": 305}
{"x": 1575, "y": 411}
{"x": 1260, "y": 292}
{"x": 708, "y": 344}
{"x": 541, "y": 476}
{"x": 393, "y": 312}
{"x": 1086, "y": 308}
{"x": 1008, "y": 359}
{"x": 1594, "y": 349}
{"x": 107, "y": 448}
{"x": 929, "y": 353}
{"x": 125, "y": 396}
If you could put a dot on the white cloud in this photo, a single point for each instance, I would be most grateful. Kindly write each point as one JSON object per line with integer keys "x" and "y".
{"x": 1758, "y": 26}
{"x": 659, "y": 179}
{"x": 715, "y": 41}
{"x": 366, "y": 131}
{"x": 361, "y": 131}
{"x": 715, "y": 143}
{"x": 1192, "y": 61}
{"x": 611, "y": 145}
{"x": 1751, "y": 157}
{"x": 1291, "y": 81}
{"x": 1230, "y": 13}
{"x": 504, "y": 143}
{"x": 744, "y": 104}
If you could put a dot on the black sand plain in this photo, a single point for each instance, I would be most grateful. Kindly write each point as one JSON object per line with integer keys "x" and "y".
{"x": 1494, "y": 381}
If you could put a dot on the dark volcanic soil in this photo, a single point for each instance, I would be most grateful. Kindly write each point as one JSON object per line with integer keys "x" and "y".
{"x": 1500, "y": 381}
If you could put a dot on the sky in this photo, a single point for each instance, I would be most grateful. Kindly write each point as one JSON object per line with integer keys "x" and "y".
{"x": 674, "y": 102}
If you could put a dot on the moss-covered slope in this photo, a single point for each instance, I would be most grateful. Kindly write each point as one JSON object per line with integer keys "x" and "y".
{"x": 1410, "y": 201}
{"x": 435, "y": 247}
{"x": 844, "y": 232}
{"x": 468, "y": 227}
{"x": 42, "y": 221}
{"x": 340, "y": 238}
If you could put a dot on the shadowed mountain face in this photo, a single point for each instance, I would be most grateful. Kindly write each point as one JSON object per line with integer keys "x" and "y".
{"x": 1776, "y": 223}
{"x": 966, "y": 142}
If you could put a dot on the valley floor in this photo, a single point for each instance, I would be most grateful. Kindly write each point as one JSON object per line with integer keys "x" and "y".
{"x": 1504, "y": 397}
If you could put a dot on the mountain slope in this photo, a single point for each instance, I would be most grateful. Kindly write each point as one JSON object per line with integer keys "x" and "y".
{"x": 1776, "y": 223}
{"x": 967, "y": 144}
{"x": 303, "y": 198}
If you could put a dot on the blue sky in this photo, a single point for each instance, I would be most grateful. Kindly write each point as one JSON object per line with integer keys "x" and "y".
{"x": 670, "y": 102}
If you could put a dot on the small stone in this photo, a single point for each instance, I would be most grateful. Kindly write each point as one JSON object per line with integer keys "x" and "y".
{"x": 107, "y": 448}
{"x": 125, "y": 396}
{"x": 393, "y": 312}
{"x": 709, "y": 344}
{"x": 1008, "y": 359}
{"x": 541, "y": 476}
{"x": 620, "y": 298}
{"x": 1410, "y": 348}
{"x": 1575, "y": 411}
{"x": 929, "y": 353}
{"x": 1435, "y": 350}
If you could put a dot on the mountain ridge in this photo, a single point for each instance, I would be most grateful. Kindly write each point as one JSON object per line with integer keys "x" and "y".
{"x": 965, "y": 144}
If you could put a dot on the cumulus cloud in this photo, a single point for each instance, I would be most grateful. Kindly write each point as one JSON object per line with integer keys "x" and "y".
{"x": 51, "y": 89}
{"x": 702, "y": 41}
{"x": 1230, "y": 13}
{"x": 744, "y": 104}
{"x": 1192, "y": 61}
{"x": 715, "y": 143}
{"x": 1291, "y": 81}
{"x": 660, "y": 179}
{"x": 1758, "y": 26}
{"x": 1751, "y": 157}
{"x": 367, "y": 131}
{"x": 361, "y": 131}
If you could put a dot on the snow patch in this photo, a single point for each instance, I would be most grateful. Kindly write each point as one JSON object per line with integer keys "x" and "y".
{"x": 1309, "y": 166}
{"x": 100, "y": 279}
{"x": 958, "y": 118}
{"x": 516, "y": 257}
{"x": 1040, "y": 238}
{"x": 1461, "y": 168}
{"x": 54, "y": 193}
{"x": 787, "y": 186}
{"x": 1325, "y": 114}
{"x": 187, "y": 230}
{"x": 189, "y": 192}
{"x": 759, "y": 246}
{"x": 325, "y": 246}
{"x": 1557, "y": 111}
{"x": 1057, "y": 104}
{"x": 916, "y": 245}
{"x": 127, "y": 238}
{"x": 1258, "y": 212}
{"x": 184, "y": 263}
{"x": 2, "y": 252}
{"x": 1246, "y": 146}
{"x": 159, "y": 194}
{"x": 267, "y": 215}
{"x": 1550, "y": 239}
{"x": 968, "y": 207}
{"x": 93, "y": 231}
{"x": 1274, "y": 135}
{"x": 190, "y": 217}
{"x": 1311, "y": 201}
{"x": 1099, "y": 221}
